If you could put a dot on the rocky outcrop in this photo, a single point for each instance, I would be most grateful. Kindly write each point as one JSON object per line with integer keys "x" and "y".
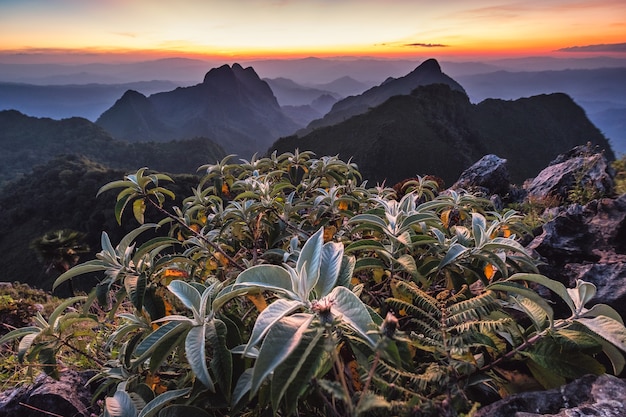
{"x": 489, "y": 174}
{"x": 599, "y": 396}
{"x": 589, "y": 243}
{"x": 583, "y": 242}
{"x": 46, "y": 397}
{"x": 580, "y": 169}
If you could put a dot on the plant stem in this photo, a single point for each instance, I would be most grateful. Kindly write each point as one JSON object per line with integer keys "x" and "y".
{"x": 198, "y": 235}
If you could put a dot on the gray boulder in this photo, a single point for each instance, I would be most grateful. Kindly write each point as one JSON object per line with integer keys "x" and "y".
{"x": 490, "y": 173}
{"x": 589, "y": 243}
{"x": 591, "y": 395}
{"x": 588, "y": 172}
{"x": 68, "y": 396}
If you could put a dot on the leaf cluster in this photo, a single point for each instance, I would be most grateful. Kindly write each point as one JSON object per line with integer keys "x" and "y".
{"x": 286, "y": 285}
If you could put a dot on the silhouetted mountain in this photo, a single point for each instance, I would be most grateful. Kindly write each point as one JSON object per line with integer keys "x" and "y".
{"x": 436, "y": 130}
{"x": 596, "y": 90}
{"x": 233, "y": 106}
{"x": 28, "y": 141}
{"x": 429, "y": 72}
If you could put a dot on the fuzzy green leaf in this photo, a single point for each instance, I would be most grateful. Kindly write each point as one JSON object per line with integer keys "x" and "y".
{"x": 293, "y": 376}
{"x": 84, "y": 268}
{"x": 159, "y": 401}
{"x": 163, "y": 333}
{"x": 279, "y": 343}
{"x": 365, "y": 244}
{"x": 195, "y": 350}
{"x": 515, "y": 288}
{"x": 120, "y": 405}
{"x": 270, "y": 316}
{"x": 222, "y": 360}
{"x": 17, "y": 333}
{"x": 607, "y": 328}
{"x": 351, "y": 311}
{"x": 330, "y": 265}
{"x": 553, "y": 285}
{"x": 266, "y": 277}
{"x": 310, "y": 260}
{"x": 186, "y": 293}
{"x": 455, "y": 251}
{"x": 583, "y": 292}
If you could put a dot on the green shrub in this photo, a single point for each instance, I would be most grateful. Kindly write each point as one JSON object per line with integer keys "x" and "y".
{"x": 284, "y": 285}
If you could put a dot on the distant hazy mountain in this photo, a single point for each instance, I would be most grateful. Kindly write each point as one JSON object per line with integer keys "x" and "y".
{"x": 178, "y": 70}
{"x": 27, "y": 142}
{"x": 345, "y": 86}
{"x": 289, "y": 93}
{"x": 436, "y": 130}
{"x": 429, "y": 72}
{"x": 233, "y": 106}
{"x": 315, "y": 71}
{"x": 64, "y": 101}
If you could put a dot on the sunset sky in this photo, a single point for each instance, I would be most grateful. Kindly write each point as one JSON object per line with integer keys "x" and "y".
{"x": 297, "y": 28}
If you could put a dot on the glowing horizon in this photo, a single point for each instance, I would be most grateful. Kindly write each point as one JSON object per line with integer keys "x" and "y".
{"x": 254, "y": 29}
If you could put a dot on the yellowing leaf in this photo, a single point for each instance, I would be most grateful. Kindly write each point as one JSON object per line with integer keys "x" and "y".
{"x": 329, "y": 233}
{"x": 445, "y": 218}
{"x": 177, "y": 273}
{"x": 377, "y": 274}
{"x": 397, "y": 292}
{"x": 139, "y": 208}
{"x": 490, "y": 271}
{"x": 258, "y": 300}
{"x": 221, "y": 259}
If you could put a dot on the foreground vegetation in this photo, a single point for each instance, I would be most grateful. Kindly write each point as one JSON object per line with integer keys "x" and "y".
{"x": 284, "y": 285}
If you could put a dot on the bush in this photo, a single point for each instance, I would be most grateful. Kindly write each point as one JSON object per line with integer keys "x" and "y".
{"x": 284, "y": 285}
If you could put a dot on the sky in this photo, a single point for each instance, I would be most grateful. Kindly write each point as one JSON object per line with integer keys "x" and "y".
{"x": 133, "y": 29}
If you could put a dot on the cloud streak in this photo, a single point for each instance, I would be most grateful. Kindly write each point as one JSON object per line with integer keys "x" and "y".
{"x": 605, "y": 47}
{"x": 425, "y": 45}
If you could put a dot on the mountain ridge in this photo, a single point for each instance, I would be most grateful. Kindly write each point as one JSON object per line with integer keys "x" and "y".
{"x": 28, "y": 142}
{"x": 232, "y": 105}
{"x": 428, "y": 72}
{"x": 436, "y": 130}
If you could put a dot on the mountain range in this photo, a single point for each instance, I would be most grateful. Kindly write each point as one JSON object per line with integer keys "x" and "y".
{"x": 28, "y": 142}
{"x": 232, "y": 106}
{"x": 437, "y": 130}
{"x": 421, "y": 123}
{"x": 85, "y": 90}
{"x": 424, "y": 118}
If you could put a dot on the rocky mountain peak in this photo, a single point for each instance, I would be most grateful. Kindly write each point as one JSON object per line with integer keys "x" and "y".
{"x": 430, "y": 65}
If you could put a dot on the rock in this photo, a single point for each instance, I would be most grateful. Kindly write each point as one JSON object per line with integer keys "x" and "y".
{"x": 45, "y": 397}
{"x": 591, "y": 395}
{"x": 490, "y": 173}
{"x": 578, "y": 170}
{"x": 589, "y": 243}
